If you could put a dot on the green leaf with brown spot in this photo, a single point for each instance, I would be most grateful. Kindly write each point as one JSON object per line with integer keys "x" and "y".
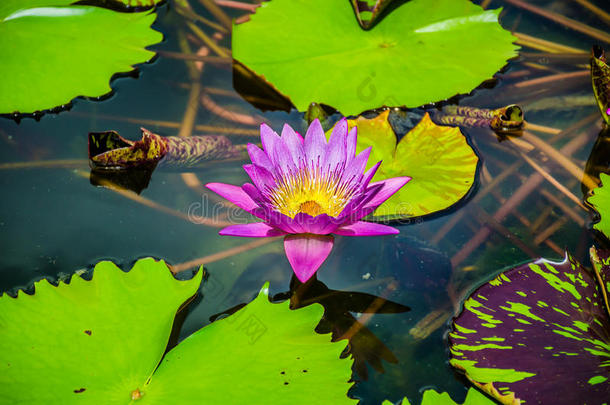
{"x": 101, "y": 342}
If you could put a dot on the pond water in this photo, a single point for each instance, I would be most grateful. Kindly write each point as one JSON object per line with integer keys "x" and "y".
{"x": 54, "y": 221}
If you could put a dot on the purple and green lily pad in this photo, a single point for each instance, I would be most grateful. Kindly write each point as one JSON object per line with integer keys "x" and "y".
{"x": 600, "y": 200}
{"x": 538, "y": 333}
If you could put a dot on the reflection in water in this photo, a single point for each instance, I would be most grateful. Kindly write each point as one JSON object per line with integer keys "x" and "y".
{"x": 364, "y": 346}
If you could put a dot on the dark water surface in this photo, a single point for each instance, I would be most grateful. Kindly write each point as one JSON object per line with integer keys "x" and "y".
{"x": 52, "y": 220}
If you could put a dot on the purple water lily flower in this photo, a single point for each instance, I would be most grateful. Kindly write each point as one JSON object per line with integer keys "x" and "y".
{"x": 308, "y": 189}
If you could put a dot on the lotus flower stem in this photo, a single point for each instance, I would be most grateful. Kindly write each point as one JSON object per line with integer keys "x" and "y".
{"x": 549, "y": 231}
{"x": 184, "y": 8}
{"x": 46, "y": 164}
{"x": 229, "y": 115}
{"x": 217, "y": 12}
{"x": 553, "y": 79}
{"x": 193, "y": 57}
{"x": 194, "y": 219}
{"x": 527, "y": 224}
{"x": 531, "y": 184}
{"x": 206, "y": 260}
{"x": 604, "y": 16}
{"x": 219, "y": 50}
{"x": 369, "y": 312}
{"x": 545, "y": 45}
{"x": 565, "y": 21}
{"x": 542, "y": 128}
{"x": 561, "y": 159}
{"x": 175, "y": 125}
{"x": 553, "y": 181}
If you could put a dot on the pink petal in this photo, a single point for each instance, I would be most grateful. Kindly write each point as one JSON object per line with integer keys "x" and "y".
{"x": 315, "y": 142}
{"x": 366, "y": 229}
{"x": 368, "y": 176}
{"x": 294, "y": 142}
{"x": 255, "y": 230}
{"x": 259, "y": 158}
{"x": 306, "y": 253}
{"x": 261, "y": 177}
{"x": 350, "y": 143}
{"x": 389, "y": 187}
{"x": 322, "y": 224}
{"x": 269, "y": 139}
{"x": 234, "y": 194}
{"x": 357, "y": 165}
{"x": 335, "y": 152}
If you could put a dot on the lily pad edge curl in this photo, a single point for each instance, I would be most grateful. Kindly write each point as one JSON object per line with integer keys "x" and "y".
{"x": 49, "y": 75}
{"x": 408, "y": 59}
{"x": 103, "y": 341}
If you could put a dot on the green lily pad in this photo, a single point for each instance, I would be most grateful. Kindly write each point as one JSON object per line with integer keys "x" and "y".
{"x": 315, "y": 51}
{"x": 100, "y": 342}
{"x": 432, "y": 397}
{"x": 601, "y": 202}
{"x": 439, "y": 160}
{"x": 54, "y": 52}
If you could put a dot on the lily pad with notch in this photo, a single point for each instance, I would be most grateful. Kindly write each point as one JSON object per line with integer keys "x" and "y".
{"x": 315, "y": 51}
{"x": 54, "y": 51}
{"x": 103, "y": 341}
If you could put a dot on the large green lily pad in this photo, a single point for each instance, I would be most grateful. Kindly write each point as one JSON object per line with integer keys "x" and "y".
{"x": 100, "y": 342}
{"x": 421, "y": 52}
{"x": 54, "y": 52}
{"x": 431, "y": 397}
{"x": 439, "y": 160}
{"x": 601, "y": 202}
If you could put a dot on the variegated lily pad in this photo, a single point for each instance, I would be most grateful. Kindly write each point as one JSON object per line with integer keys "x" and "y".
{"x": 538, "y": 333}
{"x": 439, "y": 160}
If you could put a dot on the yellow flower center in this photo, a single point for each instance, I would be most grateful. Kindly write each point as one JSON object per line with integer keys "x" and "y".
{"x": 311, "y": 207}
{"x": 311, "y": 192}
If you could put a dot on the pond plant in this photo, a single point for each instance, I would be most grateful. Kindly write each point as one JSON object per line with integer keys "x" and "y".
{"x": 386, "y": 78}
{"x": 103, "y": 341}
{"x": 307, "y": 189}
